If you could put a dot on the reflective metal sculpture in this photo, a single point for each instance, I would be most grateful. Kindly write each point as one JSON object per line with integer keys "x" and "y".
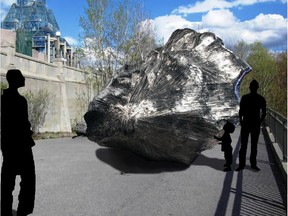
{"x": 171, "y": 106}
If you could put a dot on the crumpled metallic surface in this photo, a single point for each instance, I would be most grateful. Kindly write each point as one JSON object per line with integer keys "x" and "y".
{"x": 171, "y": 106}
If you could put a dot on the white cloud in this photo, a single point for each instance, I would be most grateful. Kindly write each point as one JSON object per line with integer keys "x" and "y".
{"x": 2, "y": 14}
{"x": 4, "y": 7}
{"x": 219, "y": 18}
{"x": 166, "y": 25}
{"x": 266, "y": 22}
{"x": 72, "y": 41}
{"x": 7, "y": 3}
{"x": 203, "y": 6}
{"x": 207, "y": 5}
{"x": 270, "y": 29}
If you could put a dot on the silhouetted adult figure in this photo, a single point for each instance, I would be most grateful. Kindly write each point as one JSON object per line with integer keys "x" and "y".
{"x": 16, "y": 146}
{"x": 252, "y": 112}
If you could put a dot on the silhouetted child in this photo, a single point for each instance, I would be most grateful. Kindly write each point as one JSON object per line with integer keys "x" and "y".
{"x": 226, "y": 144}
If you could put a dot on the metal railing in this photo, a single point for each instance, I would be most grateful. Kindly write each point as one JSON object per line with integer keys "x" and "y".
{"x": 277, "y": 124}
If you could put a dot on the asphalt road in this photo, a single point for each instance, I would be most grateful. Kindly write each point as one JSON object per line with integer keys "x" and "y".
{"x": 76, "y": 177}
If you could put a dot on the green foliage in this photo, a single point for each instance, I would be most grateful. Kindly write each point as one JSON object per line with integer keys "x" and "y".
{"x": 263, "y": 69}
{"x": 38, "y": 105}
{"x": 3, "y": 86}
{"x": 279, "y": 84}
{"x": 271, "y": 72}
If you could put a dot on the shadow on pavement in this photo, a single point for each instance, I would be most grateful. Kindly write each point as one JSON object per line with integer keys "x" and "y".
{"x": 227, "y": 184}
{"x": 14, "y": 212}
{"x": 127, "y": 162}
{"x": 214, "y": 163}
{"x": 253, "y": 194}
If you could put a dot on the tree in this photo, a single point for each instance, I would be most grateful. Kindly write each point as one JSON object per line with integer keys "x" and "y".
{"x": 279, "y": 84}
{"x": 263, "y": 67}
{"x": 270, "y": 70}
{"x": 241, "y": 49}
{"x": 38, "y": 107}
{"x": 113, "y": 36}
{"x": 142, "y": 41}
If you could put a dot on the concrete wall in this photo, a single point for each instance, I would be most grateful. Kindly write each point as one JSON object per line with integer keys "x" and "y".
{"x": 66, "y": 84}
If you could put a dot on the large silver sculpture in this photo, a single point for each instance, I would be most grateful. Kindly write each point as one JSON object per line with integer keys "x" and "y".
{"x": 171, "y": 106}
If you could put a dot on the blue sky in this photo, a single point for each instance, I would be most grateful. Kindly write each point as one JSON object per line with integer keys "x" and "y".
{"x": 231, "y": 20}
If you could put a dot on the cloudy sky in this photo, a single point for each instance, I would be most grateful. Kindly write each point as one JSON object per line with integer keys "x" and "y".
{"x": 231, "y": 20}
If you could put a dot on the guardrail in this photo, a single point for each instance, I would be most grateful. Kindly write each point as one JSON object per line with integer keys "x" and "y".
{"x": 277, "y": 124}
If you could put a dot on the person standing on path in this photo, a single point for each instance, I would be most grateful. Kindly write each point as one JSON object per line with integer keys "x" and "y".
{"x": 252, "y": 112}
{"x": 16, "y": 147}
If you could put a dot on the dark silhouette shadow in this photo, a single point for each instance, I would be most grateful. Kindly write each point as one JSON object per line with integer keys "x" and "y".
{"x": 14, "y": 212}
{"x": 128, "y": 162}
{"x": 251, "y": 114}
{"x": 214, "y": 163}
{"x": 224, "y": 198}
{"x": 226, "y": 144}
{"x": 16, "y": 147}
{"x": 262, "y": 202}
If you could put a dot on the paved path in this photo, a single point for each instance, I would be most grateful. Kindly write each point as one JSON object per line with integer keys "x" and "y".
{"x": 76, "y": 177}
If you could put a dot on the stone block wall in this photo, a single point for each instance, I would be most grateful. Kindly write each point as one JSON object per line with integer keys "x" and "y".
{"x": 65, "y": 84}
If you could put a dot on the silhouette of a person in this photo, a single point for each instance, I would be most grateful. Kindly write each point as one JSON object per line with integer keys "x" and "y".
{"x": 226, "y": 144}
{"x": 252, "y": 112}
{"x": 16, "y": 147}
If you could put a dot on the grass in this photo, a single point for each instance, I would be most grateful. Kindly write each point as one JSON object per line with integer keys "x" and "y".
{"x": 50, "y": 135}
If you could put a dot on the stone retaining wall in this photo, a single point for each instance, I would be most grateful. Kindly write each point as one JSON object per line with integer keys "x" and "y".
{"x": 66, "y": 84}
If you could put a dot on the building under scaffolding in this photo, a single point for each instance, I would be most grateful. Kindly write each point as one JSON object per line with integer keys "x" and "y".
{"x": 36, "y": 28}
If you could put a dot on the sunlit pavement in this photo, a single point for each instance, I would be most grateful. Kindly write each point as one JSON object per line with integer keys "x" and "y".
{"x": 76, "y": 177}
